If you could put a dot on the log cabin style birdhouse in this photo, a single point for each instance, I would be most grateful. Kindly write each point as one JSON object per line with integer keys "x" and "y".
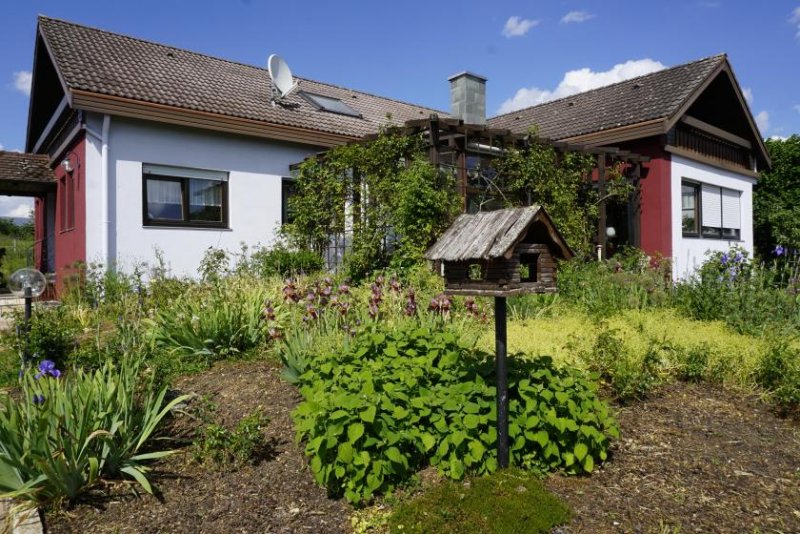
{"x": 500, "y": 253}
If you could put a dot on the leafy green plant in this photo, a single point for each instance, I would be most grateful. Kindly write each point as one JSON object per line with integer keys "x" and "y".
{"x": 398, "y": 398}
{"x": 51, "y": 334}
{"x": 693, "y": 363}
{"x": 778, "y": 372}
{"x": 508, "y": 502}
{"x": 231, "y": 448}
{"x": 67, "y": 432}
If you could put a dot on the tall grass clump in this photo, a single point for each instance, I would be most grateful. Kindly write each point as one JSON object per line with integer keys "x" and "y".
{"x": 65, "y": 432}
{"x": 212, "y": 322}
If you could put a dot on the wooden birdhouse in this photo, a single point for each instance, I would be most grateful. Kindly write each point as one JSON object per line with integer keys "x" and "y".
{"x": 501, "y": 253}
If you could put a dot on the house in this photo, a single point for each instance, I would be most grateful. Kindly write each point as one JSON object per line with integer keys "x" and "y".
{"x": 154, "y": 148}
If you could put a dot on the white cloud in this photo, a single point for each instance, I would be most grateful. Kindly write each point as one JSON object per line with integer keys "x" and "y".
{"x": 797, "y": 108}
{"x": 762, "y": 121}
{"x": 748, "y": 95}
{"x": 778, "y": 138}
{"x": 795, "y": 19}
{"x": 576, "y": 16}
{"x": 1, "y": 147}
{"x": 15, "y": 206}
{"x": 22, "y": 81}
{"x": 577, "y": 81}
{"x": 517, "y": 27}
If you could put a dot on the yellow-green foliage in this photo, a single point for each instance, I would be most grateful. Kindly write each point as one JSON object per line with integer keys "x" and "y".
{"x": 566, "y": 335}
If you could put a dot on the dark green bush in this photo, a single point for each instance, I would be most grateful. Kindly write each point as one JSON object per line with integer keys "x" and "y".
{"x": 778, "y": 372}
{"x": 280, "y": 261}
{"x": 52, "y": 334}
{"x": 397, "y": 399}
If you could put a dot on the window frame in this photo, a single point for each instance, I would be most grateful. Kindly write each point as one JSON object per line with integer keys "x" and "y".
{"x": 67, "y": 183}
{"x": 184, "y": 222}
{"x": 716, "y": 233}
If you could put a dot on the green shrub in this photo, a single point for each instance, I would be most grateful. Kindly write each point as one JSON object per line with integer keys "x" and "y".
{"x": 508, "y": 502}
{"x": 65, "y": 433}
{"x": 51, "y": 334}
{"x": 280, "y": 261}
{"x": 778, "y": 372}
{"x": 231, "y": 448}
{"x": 693, "y": 363}
{"x": 397, "y": 399}
{"x": 212, "y": 323}
{"x": 628, "y": 376}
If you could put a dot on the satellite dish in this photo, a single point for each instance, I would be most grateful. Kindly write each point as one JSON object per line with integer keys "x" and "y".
{"x": 26, "y": 277}
{"x": 282, "y": 82}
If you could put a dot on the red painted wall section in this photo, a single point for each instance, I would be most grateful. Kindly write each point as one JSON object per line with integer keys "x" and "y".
{"x": 38, "y": 232}
{"x": 656, "y": 218}
{"x": 70, "y": 228}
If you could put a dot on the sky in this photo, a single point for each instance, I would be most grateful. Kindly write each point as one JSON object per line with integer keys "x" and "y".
{"x": 530, "y": 51}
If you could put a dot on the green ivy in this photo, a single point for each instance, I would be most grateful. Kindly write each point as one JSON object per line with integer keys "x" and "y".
{"x": 399, "y": 399}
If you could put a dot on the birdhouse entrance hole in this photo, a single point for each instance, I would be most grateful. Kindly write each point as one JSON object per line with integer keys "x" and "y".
{"x": 528, "y": 267}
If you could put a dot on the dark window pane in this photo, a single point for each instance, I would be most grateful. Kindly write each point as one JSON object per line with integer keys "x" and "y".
{"x": 713, "y": 232}
{"x": 287, "y": 190}
{"x": 205, "y": 200}
{"x": 164, "y": 199}
{"x": 689, "y": 221}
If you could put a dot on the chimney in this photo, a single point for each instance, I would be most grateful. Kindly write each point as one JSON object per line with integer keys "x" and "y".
{"x": 468, "y": 97}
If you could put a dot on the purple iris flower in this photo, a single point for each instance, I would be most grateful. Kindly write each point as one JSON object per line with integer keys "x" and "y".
{"x": 724, "y": 259}
{"x": 47, "y": 367}
{"x": 779, "y": 250}
{"x": 38, "y": 399}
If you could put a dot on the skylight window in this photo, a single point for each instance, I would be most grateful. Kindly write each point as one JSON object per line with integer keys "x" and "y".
{"x": 333, "y": 105}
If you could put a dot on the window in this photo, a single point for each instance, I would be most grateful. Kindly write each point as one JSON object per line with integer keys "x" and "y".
{"x": 287, "y": 190}
{"x": 67, "y": 195}
{"x": 175, "y": 196}
{"x": 710, "y": 211}
{"x": 332, "y": 105}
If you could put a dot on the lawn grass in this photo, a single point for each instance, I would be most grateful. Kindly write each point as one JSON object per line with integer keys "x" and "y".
{"x": 507, "y": 502}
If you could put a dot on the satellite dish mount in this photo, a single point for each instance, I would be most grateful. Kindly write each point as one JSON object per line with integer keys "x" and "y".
{"x": 283, "y": 84}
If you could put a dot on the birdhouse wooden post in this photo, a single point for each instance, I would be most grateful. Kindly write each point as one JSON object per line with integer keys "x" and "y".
{"x": 499, "y": 254}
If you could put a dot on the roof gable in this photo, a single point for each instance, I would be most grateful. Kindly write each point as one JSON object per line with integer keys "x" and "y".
{"x": 653, "y": 96}
{"x": 112, "y": 65}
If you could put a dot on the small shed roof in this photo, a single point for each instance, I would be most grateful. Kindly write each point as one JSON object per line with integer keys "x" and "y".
{"x": 492, "y": 234}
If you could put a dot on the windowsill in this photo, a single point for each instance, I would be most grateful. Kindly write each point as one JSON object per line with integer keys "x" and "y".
{"x": 700, "y": 238}
{"x": 187, "y": 227}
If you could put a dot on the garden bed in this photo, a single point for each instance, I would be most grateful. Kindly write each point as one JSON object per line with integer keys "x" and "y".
{"x": 692, "y": 457}
{"x": 277, "y": 494}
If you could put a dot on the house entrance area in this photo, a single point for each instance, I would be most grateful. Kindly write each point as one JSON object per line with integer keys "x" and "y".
{"x": 29, "y": 175}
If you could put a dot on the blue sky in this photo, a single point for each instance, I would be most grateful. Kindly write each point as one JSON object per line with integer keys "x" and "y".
{"x": 530, "y": 51}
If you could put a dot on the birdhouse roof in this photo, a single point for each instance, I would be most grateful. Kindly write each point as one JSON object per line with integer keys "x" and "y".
{"x": 493, "y": 234}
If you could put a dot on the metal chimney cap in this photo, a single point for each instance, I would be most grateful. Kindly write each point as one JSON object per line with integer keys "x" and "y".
{"x": 467, "y": 73}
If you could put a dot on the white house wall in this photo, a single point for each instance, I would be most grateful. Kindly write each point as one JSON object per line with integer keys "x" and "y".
{"x": 688, "y": 253}
{"x": 255, "y": 170}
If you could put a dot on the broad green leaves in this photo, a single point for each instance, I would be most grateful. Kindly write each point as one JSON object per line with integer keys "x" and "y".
{"x": 430, "y": 401}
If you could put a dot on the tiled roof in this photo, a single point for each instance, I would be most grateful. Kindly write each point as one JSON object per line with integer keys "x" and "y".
{"x": 652, "y": 96}
{"x": 111, "y": 64}
{"x": 25, "y": 167}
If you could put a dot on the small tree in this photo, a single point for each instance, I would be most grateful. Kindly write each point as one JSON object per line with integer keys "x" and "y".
{"x": 776, "y": 198}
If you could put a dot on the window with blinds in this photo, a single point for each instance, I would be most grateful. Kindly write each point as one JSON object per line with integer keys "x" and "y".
{"x": 177, "y": 196}
{"x": 710, "y": 211}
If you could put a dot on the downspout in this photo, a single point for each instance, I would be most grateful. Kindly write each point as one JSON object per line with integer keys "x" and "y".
{"x": 106, "y": 249}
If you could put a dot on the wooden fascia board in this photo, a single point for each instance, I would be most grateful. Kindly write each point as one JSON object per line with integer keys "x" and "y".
{"x": 64, "y": 104}
{"x": 623, "y": 133}
{"x": 689, "y": 154}
{"x": 64, "y": 88}
{"x": 125, "y": 107}
{"x": 724, "y": 67}
{"x": 718, "y": 132}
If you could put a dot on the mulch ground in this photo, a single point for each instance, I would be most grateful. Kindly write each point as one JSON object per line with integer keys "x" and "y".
{"x": 692, "y": 458}
{"x": 278, "y": 494}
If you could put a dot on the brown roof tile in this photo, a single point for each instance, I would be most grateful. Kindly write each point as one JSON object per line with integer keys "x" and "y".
{"x": 107, "y": 63}
{"x": 25, "y": 167}
{"x": 652, "y": 96}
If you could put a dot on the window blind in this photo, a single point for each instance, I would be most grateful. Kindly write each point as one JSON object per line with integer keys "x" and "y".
{"x": 731, "y": 211}
{"x": 712, "y": 206}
